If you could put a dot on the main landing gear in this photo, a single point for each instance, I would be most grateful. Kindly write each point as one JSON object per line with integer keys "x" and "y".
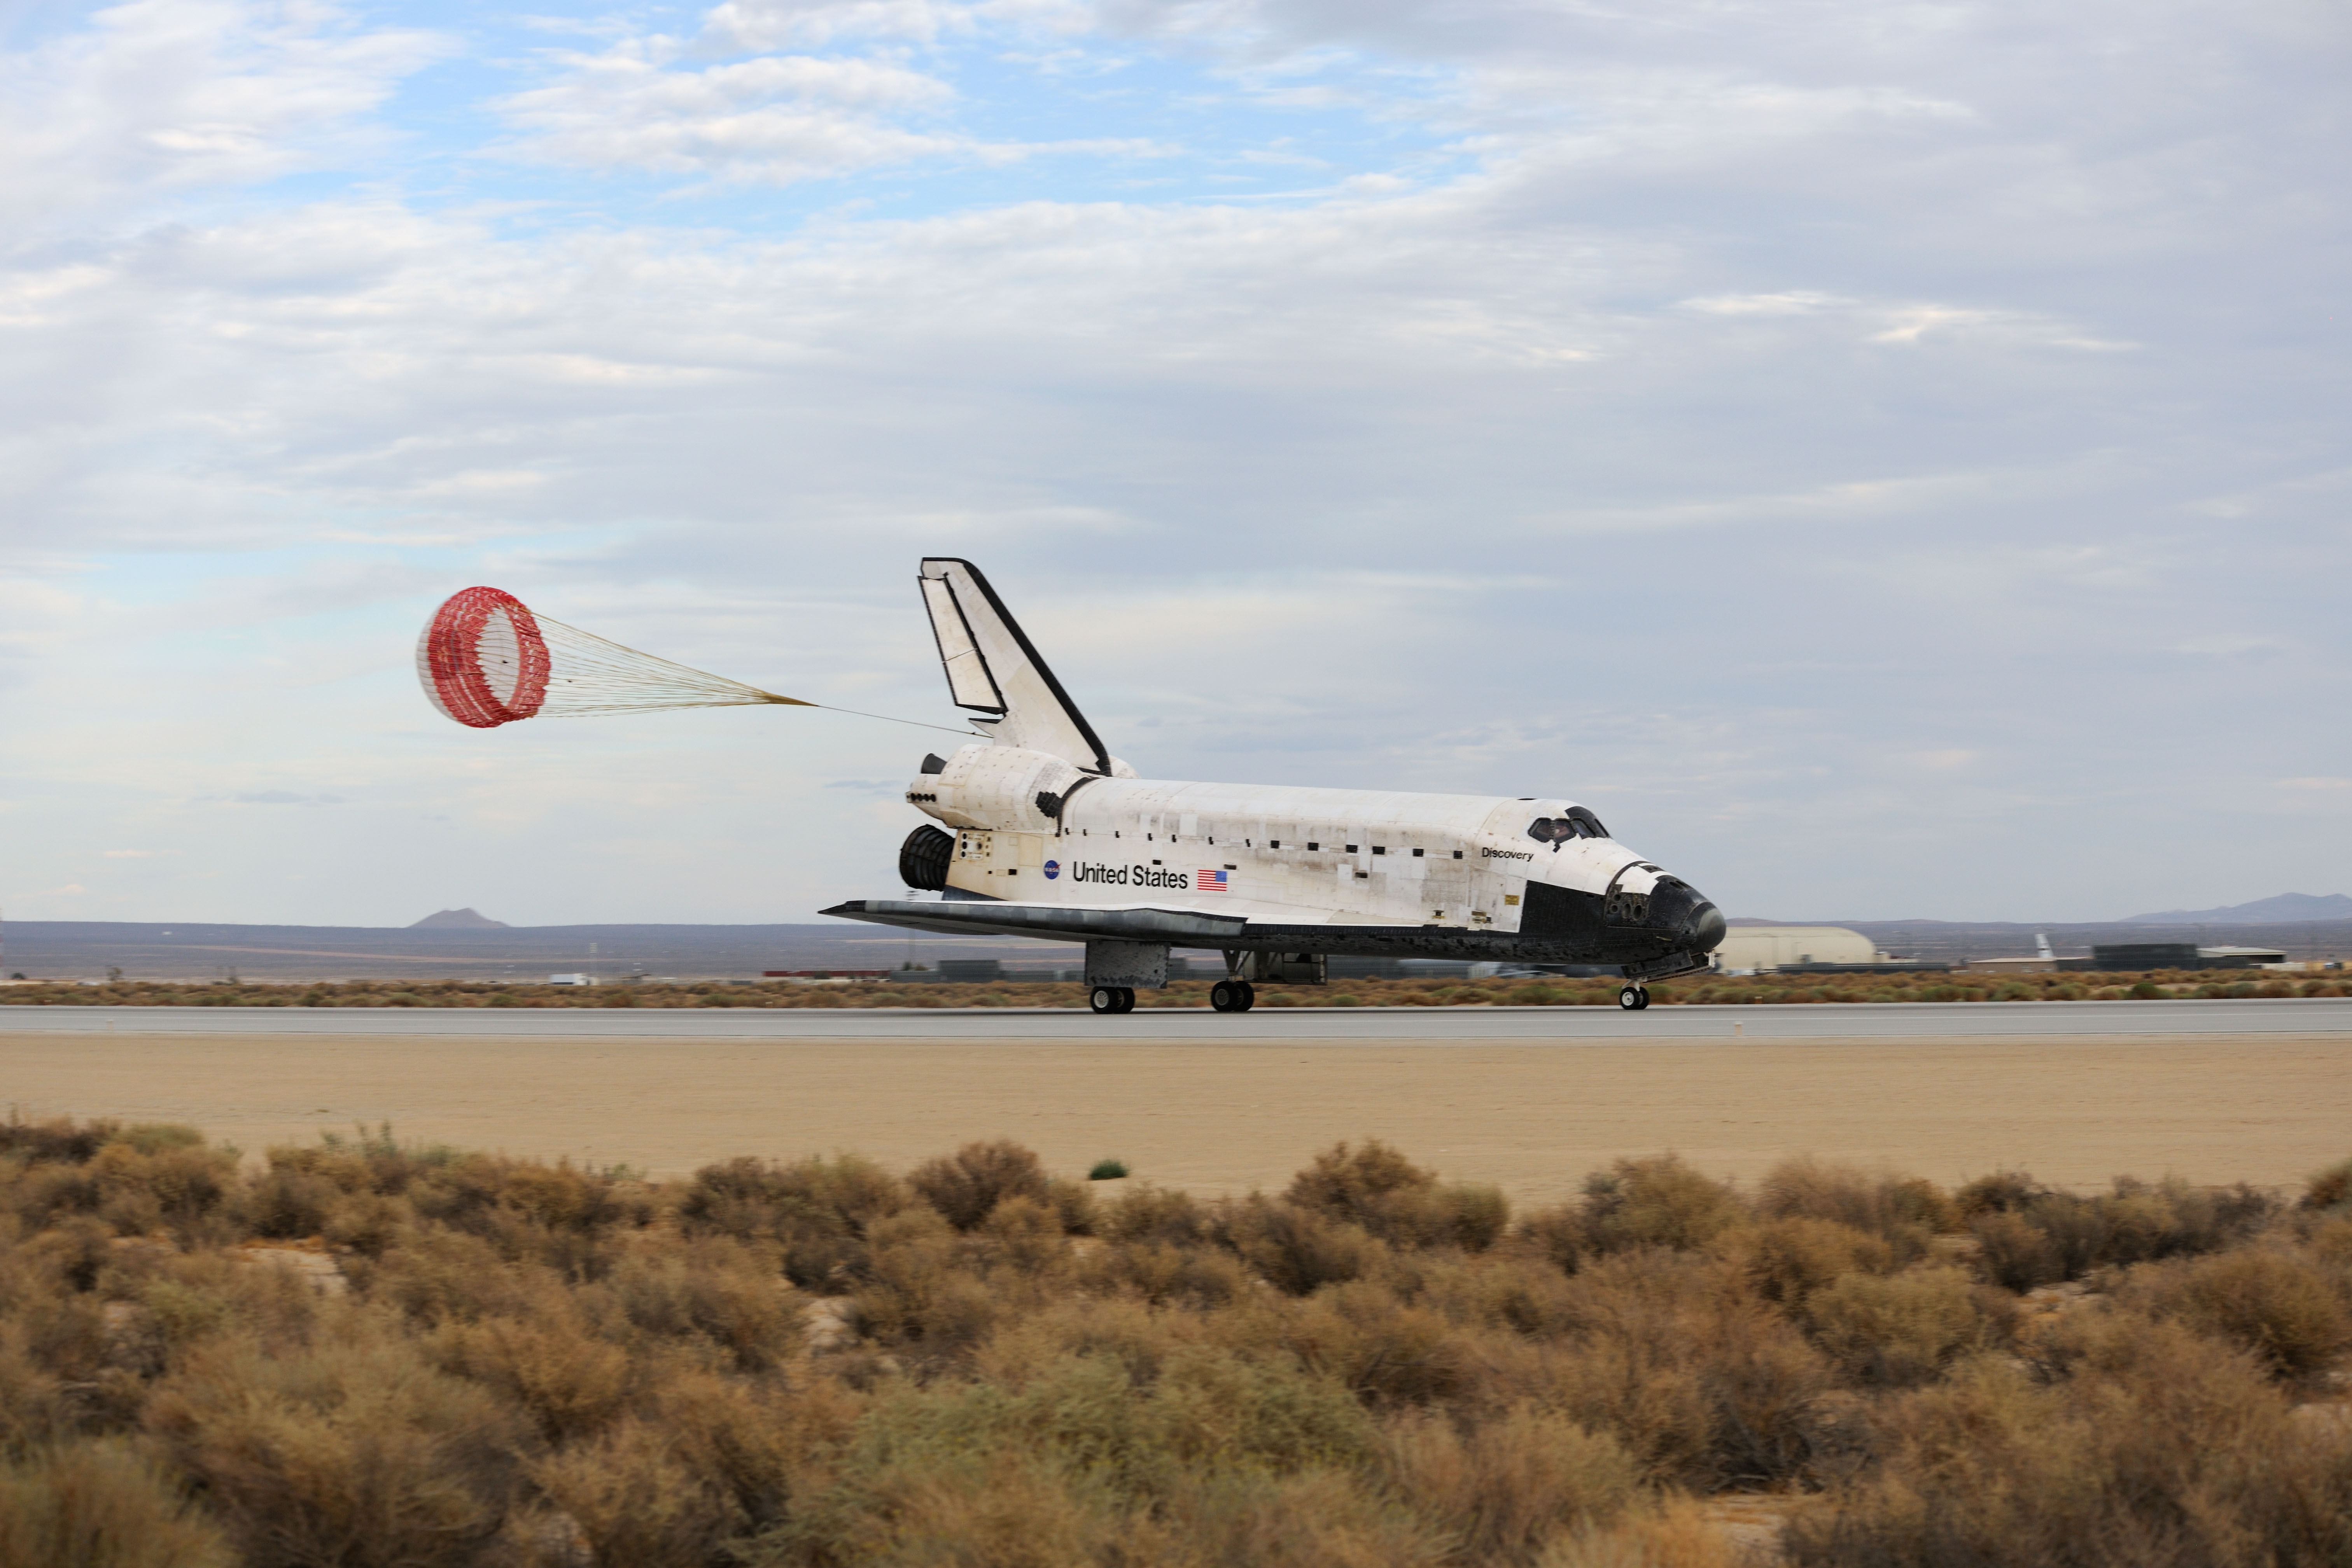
{"x": 1232, "y": 995}
{"x": 1112, "y": 999}
{"x": 1633, "y": 999}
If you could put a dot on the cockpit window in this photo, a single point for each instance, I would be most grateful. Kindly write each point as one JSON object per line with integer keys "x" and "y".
{"x": 1558, "y": 830}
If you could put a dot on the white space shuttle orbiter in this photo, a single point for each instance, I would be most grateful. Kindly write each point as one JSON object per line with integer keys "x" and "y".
{"x": 1050, "y": 836}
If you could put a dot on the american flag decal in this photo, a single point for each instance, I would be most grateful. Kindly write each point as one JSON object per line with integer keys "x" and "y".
{"x": 1209, "y": 881}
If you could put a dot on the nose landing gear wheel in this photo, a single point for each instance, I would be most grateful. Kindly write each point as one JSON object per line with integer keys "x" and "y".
{"x": 1112, "y": 999}
{"x": 1232, "y": 995}
{"x": 1633, "y": 999}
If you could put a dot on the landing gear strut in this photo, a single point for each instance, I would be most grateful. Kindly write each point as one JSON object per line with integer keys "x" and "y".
{"x": 1633, "y": 999}
{"x": 1232, "y": 995}
{"x": 1112, "y": 999}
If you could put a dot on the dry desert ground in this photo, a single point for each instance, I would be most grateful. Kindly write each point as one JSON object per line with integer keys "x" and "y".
{"x": 1218, "y": 1118}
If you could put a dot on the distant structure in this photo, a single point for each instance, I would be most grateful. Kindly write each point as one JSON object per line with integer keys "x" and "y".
{"x": 458, "y": 920}
{"x": 2143, "y": 955}
{"x": 1749, "y": 949}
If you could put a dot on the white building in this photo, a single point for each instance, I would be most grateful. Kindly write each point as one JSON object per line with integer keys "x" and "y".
{"x": 1746, "y": 949}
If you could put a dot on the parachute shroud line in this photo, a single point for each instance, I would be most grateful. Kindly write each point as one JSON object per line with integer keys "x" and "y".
{"x": 485, "y": 659}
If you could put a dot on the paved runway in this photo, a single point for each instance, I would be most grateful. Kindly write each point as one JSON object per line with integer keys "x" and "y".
{"x": 2320, "y": 1015}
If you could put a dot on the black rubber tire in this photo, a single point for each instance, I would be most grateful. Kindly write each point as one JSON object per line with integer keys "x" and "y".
{"x": 1105, "y": 999}
{"x": 1249, "y": 998}
{"x": 1126, "y": 999}
{"x": 1632, "y": 998}
{"x": 1645, "y": 1000}
{"x": 923, "y": 858}
{"x": 1225, "y": 997}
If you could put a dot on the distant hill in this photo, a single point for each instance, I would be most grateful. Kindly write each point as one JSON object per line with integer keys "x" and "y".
{"x": 2287, "y": 908}
{"x": 458, "y": 920}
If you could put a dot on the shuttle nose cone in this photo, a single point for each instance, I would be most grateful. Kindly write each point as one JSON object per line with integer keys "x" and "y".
{"x": 1705, "y": 927}
{"x": 1685, "y": 916}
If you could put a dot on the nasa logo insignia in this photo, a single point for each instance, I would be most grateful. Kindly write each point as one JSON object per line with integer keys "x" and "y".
{"x": 1053, "y": 870}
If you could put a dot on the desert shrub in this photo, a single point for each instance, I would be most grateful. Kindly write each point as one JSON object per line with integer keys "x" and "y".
{"x": 1503, "y": 1490}
{"x": 1898, "y": 1330}
{"x": 1702, "y": 1383}
{"x": 1383, "y": 1349}
{"x": 1163, "y": 1275}
{"x": 2275, "y": 1304}
{"x": 58, "y": 1141}
{"x": 1357, "y": 1183}
{"x": 433, "y": 1276}
{"x": 159, "y": 1181}
{"x": 100, "y": 1505}
{"x": 718, "y": 1292}
{"x": 1558, "y": 1234}
{"x": 366, "y": 1222}
{"x": 1158, "y": 1214}
{"x": 2329, "y": 1191}
{"x": 2015, "y": 1253}
{"x": 1788, "y": 1259}
{"x": 2002, "y": 1192}
{"x": 1385, "y": 1195}
{"x": 638, "y": 1503}
{"x": 1901, "y": 1211}
{"x": 354, "y": 1451}
{"x": 821, "y": 1210}
{"x": 549, "y": 1364}
{"x": 917, "y": 1293}
{"x": 1107, "y": 1171}
{"x": 2029, "y": 1235}
{"x": 2149, "y": 1444}
{"x": 1673, "y": 1533}
{"x": 965, "y": 1185}
{"x": 288, "y": 1203}
{"x": 1657, "y": 1201}
{"x": 1073, "y": 1206}
{"x": 1298, "y": 1250}
{"x": 1132, "y": 1437}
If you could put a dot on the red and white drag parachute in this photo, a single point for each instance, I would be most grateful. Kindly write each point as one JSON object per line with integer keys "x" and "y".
{"x": 485, "y": 659}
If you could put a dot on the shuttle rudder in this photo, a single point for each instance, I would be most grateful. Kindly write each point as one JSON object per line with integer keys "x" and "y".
{"x": 994, "y": 672}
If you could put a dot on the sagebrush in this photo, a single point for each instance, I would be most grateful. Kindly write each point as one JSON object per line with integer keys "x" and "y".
{"x": 372, "y": 1352}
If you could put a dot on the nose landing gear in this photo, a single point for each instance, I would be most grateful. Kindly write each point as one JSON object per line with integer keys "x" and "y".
{"x": 1112, "y": 999}
{"x": 1232, "y": 997}
{"x": 1633, "y": 999}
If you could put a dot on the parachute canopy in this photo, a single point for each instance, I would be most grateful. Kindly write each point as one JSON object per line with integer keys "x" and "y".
{"x": 485, "y": 659}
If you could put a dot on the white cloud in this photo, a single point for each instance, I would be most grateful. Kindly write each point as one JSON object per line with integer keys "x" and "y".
{"x": 1692, "y": 408}
{"x": 162, "y": 96}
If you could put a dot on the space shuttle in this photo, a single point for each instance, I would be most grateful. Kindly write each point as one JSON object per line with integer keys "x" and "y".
{"x": 1037, "y": 830}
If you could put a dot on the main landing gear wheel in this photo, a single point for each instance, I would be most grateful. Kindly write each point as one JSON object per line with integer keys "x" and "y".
{"x": 1633, "y": 999}
{"x": 1232, "y": 997}
{"x": 1112, "y": 999}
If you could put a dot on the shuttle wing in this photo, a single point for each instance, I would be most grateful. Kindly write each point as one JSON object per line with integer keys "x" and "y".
{"x": 996, "y": 674}
{"x": 1056, "y": 921}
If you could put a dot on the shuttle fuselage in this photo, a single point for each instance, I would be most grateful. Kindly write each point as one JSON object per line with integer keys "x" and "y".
{"x": 1044, "y": 833}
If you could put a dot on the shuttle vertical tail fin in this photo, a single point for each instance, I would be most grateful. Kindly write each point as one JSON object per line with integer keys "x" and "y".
{"x": 994, "y": 674}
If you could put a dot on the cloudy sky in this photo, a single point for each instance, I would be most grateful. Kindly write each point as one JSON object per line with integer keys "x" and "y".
{"x": 1891, "y": 460}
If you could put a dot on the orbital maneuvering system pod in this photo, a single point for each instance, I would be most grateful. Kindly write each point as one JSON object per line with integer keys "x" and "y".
{"x": 1044, "y": 833}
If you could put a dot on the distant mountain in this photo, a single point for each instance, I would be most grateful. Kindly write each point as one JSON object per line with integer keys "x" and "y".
{"x": 458, "y": 920}
{"x": 2285, "y": 909}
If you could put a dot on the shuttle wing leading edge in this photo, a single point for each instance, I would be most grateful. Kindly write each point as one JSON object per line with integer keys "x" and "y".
{"x": 996, "y": 674}
{"x": 1181, "y": 928}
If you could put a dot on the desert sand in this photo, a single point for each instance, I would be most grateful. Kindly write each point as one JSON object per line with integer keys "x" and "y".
{"x": 1532, "y": 1118}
